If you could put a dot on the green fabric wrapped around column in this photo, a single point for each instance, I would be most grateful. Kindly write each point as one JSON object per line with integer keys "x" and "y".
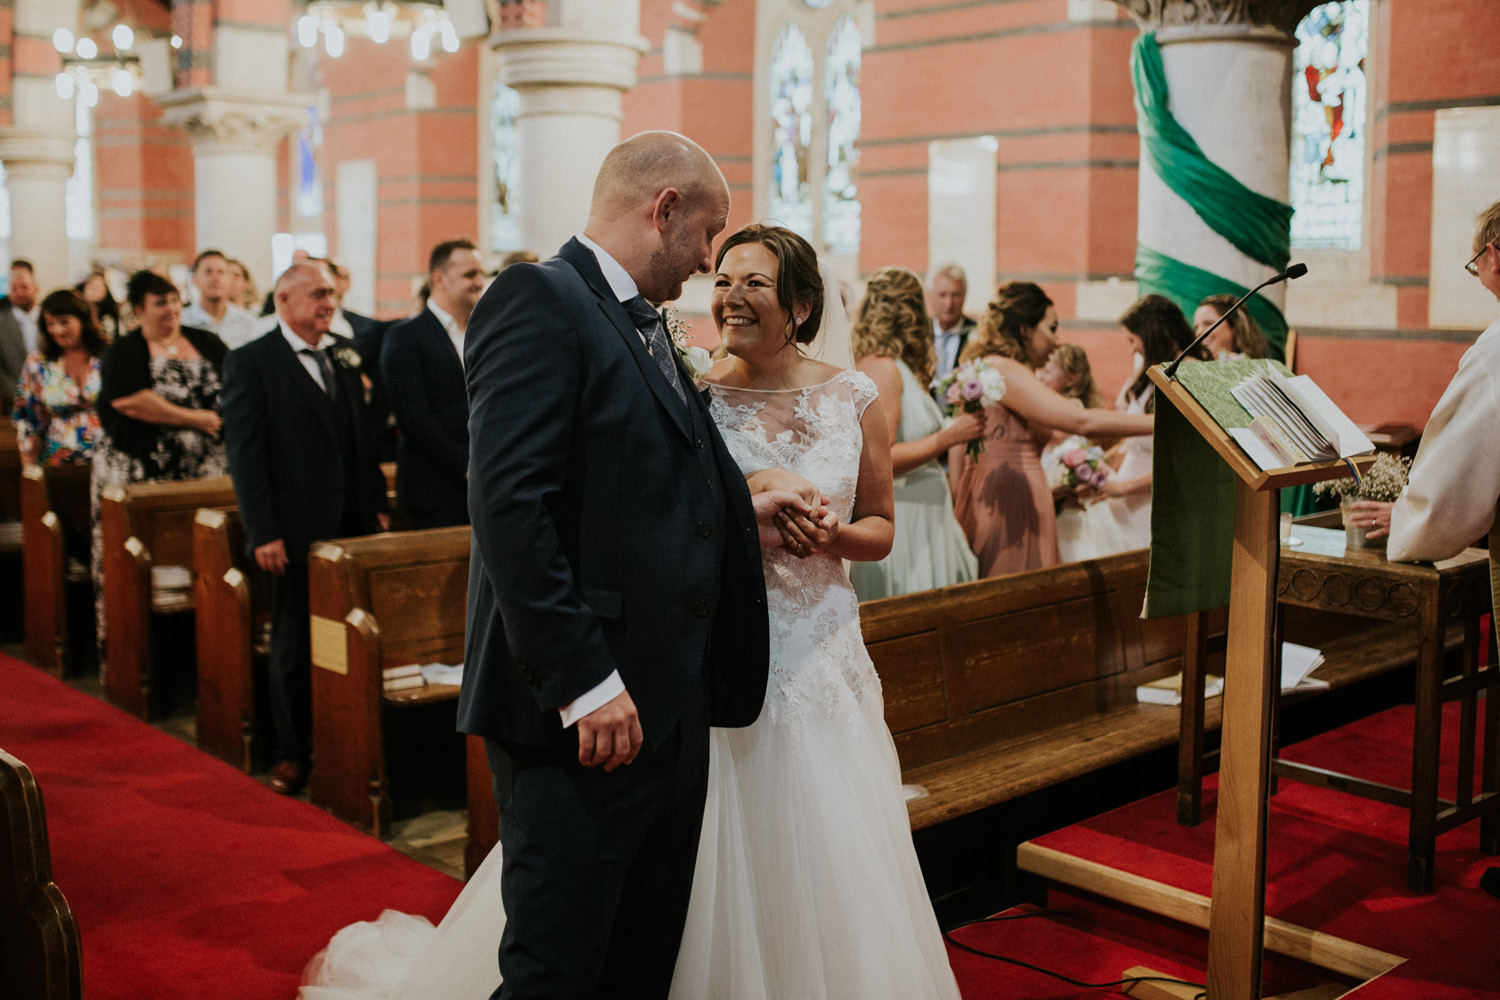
{"x": 1187, "y": 285}
{"x": 1258, "y": 226}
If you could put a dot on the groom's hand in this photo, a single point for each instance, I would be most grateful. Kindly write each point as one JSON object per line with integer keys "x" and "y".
{"x": 610, "y": 734}
{"x": 767, "y": 506}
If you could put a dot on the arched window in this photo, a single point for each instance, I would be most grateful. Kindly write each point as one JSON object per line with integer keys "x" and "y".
{"x": 791, "y": 93}
{"x": 1329, "y": 100}
{"x": 79, "y": 190}
{"x": 808, "y": 151}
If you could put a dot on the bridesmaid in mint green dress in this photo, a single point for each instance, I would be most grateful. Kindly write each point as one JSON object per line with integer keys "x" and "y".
{"x": 893, "y": 346}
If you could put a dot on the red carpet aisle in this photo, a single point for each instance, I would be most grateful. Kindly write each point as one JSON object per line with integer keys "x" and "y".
{"x": 1335, "y": 862}
{"x": 190, "y": 881}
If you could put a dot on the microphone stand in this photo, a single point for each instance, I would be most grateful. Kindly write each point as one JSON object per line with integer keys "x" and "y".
{"x": 1295, "y": 271}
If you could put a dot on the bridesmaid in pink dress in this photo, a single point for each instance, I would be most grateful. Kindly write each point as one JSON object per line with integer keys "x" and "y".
{"x": 1002, "y": 499}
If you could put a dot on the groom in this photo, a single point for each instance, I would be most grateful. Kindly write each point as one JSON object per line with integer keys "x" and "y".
{"x": 617, "y": 606}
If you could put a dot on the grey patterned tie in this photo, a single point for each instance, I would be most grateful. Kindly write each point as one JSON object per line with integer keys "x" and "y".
{"x": 648, "y": 321}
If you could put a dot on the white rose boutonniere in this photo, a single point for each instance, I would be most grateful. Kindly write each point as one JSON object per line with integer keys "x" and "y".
{"x": 696, "y": 360}
{"x": 347, "y": 357}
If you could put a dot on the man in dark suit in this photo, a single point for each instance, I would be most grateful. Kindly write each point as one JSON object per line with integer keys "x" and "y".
{"x": 947, "y": 287}
{"x": 422, "y": 371}
{"x": 616, "y": 586}
{"x": 20, "y": 317}
{"x": 304, "y": 468}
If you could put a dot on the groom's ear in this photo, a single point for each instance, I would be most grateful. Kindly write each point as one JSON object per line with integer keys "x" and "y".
{"x": 667, "y": 204}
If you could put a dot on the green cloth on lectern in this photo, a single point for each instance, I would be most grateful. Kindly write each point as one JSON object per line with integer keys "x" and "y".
{"x": 1298, "y": 500}
{"x": 1187, "y": 285}
{"x": 1192, "y": 494}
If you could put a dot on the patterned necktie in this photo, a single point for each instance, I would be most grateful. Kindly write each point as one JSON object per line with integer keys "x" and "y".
{"x": 648, "y": 321}
{"x": 325, "y": 367}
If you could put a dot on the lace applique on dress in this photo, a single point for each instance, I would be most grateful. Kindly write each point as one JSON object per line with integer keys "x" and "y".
{"x": 818, "y": 659}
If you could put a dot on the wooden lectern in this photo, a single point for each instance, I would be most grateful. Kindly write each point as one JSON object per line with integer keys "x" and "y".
{"x": 1236, "y": 926}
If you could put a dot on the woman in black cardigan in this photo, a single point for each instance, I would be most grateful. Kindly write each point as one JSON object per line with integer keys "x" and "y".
{"x": 158, "y": 399}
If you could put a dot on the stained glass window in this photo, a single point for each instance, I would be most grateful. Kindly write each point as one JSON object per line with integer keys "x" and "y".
{"x": 309, "y": 187}
{"x": 791, "y": 92}
{"x": 505, "y": 230}
{"x": 840, "y": 193}
{"x": 1329, "y": 94}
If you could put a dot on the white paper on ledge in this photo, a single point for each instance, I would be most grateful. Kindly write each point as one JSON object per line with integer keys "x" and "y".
{"x": 1255, "y": 448}
{"x": 442, "y": 673}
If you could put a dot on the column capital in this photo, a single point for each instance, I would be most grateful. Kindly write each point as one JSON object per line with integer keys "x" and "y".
{"x": 561, "y": 56}
{"x": 1283, "y": 15}
{"x": 41, "y": 148}
{"x": 232, "y": 121}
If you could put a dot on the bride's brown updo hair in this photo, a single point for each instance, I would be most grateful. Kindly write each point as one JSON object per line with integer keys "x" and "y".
{"x": 797, "y": 277}
{"x": 1018, "y": 306}
{"x": 892, "y": 322}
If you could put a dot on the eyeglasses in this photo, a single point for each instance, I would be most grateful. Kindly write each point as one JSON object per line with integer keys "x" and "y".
{"x": 1473, "y": 265}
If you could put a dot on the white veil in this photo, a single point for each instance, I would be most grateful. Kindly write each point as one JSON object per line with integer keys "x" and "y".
{"x": 832, "y": 344}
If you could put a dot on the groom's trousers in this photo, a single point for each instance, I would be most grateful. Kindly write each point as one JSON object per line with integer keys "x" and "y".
{"x": 598, "y": 867}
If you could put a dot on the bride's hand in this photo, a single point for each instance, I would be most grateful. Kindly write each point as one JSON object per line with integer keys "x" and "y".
{"x": 808, "y": 535}
{"x": 783, "y": 480}
{"x": 771, "y": 509}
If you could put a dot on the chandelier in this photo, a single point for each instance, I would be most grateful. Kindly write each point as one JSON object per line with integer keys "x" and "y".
{"x": 87, "y": 69}
{"x": 424, "y": 22}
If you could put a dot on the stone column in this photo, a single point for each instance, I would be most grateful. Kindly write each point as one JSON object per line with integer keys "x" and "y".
{"x": 571, "y": 65}
{"x": 37, "y": 149}
{"x": 1228, "y": 69}
{"x": 235, "y": 137}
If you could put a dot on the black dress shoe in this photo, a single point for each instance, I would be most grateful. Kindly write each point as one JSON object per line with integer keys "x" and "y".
{"x": 1490, "y": 881}
{"x": 288, "y": 778}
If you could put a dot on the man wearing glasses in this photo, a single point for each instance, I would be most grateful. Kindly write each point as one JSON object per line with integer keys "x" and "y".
{"x": 1454, "y": 490}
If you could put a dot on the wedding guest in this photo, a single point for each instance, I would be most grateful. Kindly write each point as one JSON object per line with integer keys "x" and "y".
{"x": 893, "y": 345}
{"x": 1001, "y": 498}
{"x": 54, "y": 410}
{"x": 1238, "y": 337}
{"x": 1157, "y": 332}
{"x": 158, "y": 399}
{"x": 242, "y": 290}
{"x": 1084, "y": 531}
{"x": 422, "y": 370}
{"x": 212, "y": 308}
{"x": 95, "y": 289}
{"x": 19, "y": 315}
{"x": 947, "y": 288}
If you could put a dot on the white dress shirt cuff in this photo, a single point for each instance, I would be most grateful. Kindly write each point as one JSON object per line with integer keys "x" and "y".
{"x": 606, "y": 691}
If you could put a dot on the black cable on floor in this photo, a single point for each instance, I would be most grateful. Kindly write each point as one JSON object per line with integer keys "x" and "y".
{"x": 1129, "y": 980}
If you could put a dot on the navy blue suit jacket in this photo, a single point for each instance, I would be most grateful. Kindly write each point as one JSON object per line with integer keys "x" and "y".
{"x": 424, "y": 381}
{"x": 283, "y": 441}
{"x": 612, "y": 529}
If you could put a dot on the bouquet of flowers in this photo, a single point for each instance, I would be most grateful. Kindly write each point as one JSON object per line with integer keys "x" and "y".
{"x": 969, "y": 388}
{"x": 1384, "y": 480}
{"x": 1084, "y": 467}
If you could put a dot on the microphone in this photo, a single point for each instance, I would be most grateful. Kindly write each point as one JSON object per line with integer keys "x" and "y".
{"x": 1295, "y": 271}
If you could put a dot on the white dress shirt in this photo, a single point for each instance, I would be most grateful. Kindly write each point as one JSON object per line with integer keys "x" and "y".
{"x": 237, "y": 327}
{"x": 450, "y": 327}
{"x": 308, "y": 361}
{"x": 946, "y": 343}
{"x": 625, "y": 289}
{"x": 27, "y": 320}
{"x": 1451, "y": 496}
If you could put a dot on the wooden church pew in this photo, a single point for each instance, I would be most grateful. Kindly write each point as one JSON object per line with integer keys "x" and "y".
{"x": 54, "y": 508}
{"x": 232, "y": 633}
{"x": 146, "y": 527}
{"x": 378, "y": 601}
{"x": 40, "y": 955}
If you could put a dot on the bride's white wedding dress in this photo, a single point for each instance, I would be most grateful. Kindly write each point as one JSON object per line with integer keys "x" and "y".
{"x": 807, "y": 885}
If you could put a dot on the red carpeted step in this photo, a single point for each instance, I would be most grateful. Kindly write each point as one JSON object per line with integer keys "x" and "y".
{"x": 1336, "y": 863}
{"x": 188, "y": 878}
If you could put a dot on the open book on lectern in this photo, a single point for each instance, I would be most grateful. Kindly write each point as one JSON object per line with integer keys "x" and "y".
{"x": 1279, "y": 420}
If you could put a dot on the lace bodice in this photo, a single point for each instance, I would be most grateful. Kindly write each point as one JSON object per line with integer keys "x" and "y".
{"x": 818, "y": 660}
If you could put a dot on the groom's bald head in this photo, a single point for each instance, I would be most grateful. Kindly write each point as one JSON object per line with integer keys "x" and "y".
{"x": 636, "y": 171}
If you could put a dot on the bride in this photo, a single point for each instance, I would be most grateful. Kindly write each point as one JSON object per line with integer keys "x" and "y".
{"x": 806, "y": 883}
